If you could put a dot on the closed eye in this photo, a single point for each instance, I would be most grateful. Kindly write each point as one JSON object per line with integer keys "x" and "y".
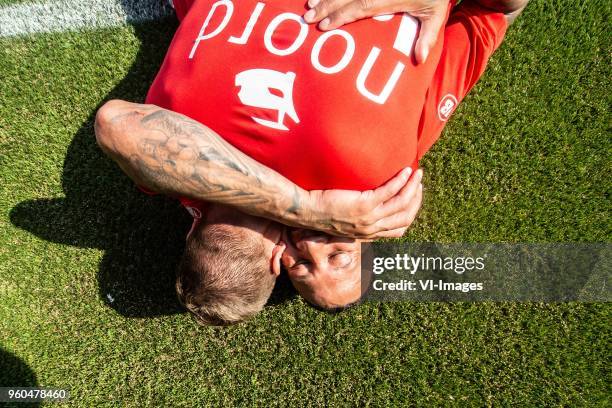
{"x": 340, "y": 259}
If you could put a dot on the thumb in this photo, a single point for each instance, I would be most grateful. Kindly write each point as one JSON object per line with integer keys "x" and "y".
{"x": 428, "y": 35}
{"x": 393, "y": 186}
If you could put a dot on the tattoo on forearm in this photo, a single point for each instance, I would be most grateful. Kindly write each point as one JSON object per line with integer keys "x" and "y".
{"x": 177, "y": 155}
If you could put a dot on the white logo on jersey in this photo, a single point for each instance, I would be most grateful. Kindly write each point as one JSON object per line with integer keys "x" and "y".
{"x": 446, "y": 107}
{"x": 255, "y": 86}
{"x": 406, "y": 33}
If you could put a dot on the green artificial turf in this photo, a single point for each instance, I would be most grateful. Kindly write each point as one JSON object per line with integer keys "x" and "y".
{"x": 87, "y": 262}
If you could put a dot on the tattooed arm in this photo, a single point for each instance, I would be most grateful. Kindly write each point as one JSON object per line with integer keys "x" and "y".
{"x": 169, "y": 153}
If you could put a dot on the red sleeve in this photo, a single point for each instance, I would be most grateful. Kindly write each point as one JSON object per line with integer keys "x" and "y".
{"x": 471, "y": 36}
{"x": 182, "y": 7}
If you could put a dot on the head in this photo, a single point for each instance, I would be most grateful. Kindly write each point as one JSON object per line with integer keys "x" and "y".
{"x": 324, "y": 269}
{"x": 229, "y": 266}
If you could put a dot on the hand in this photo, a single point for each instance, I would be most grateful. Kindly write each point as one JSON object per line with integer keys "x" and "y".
{"x": 385, "y": 212}
{"x": 331, "y": 14}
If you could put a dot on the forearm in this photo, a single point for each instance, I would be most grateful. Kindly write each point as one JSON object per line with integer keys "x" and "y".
{"x": 172, "y": 154}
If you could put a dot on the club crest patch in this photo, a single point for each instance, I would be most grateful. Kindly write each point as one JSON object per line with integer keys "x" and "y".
{"x": 446, "y": 107}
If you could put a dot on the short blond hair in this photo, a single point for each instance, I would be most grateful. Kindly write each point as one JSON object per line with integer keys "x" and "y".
{"x": 224, "y": 276}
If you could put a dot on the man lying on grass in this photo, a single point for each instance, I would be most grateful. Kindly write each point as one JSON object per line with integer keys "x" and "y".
{"x": 298, "y": 121}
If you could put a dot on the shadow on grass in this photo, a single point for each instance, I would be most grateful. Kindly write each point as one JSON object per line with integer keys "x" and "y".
{"x": 142, "y": 237}
{"x": 15, "y": 373}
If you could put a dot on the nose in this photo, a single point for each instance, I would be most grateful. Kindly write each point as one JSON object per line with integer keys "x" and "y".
{"x": 307, "y": 241}
{"x": 308, "y": 246}
{"x": 303, "y": 244}
{"x": 300, "y": 235}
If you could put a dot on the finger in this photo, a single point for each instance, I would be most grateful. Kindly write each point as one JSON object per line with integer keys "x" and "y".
{"x": 342, "y": 16}
{"x": 396, "y": 233}
{"x": 415, "y": 205}
{"x": 401, "y": 201}
{"x": 402, "y": 219}
{"x": 428, "y": 34}
{"x": 359, "y": 9}
{"x": 319, "y": 9}
{"x": 347, "y": 13}
{"x": 391, "y": 187}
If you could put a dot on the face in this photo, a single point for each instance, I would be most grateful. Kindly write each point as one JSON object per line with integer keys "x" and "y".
{"x": 250, "y": 227}
{"x": 324, "y": 269}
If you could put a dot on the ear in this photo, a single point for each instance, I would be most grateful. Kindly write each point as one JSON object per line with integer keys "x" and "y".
{"x": 277, "y": 252}
{"x": 194, "y": 226}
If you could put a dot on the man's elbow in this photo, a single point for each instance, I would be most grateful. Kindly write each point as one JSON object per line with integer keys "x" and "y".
{"x": 107, "y": 127}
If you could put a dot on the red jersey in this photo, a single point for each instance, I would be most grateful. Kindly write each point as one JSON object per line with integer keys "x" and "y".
{"x": 347, "y": 108}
